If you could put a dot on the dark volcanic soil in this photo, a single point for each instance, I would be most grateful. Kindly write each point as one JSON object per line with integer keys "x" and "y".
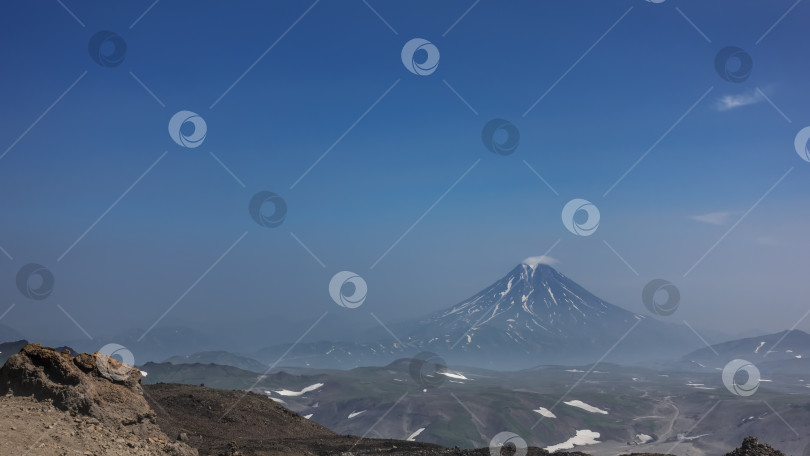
{"x": 259, "y": 426}
{"x": 255, "y": 425}
{"x": 54, "y": 404}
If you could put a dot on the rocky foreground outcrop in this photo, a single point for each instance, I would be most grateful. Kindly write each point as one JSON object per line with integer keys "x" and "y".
{"x": 752, "y": 447}
{"x": 90, "y": 404}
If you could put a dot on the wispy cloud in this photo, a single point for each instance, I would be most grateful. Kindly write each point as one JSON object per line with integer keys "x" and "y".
{"x": 712, "y": 218}
{"x": 542, "y": 259}
{"x": 734, "y": 101}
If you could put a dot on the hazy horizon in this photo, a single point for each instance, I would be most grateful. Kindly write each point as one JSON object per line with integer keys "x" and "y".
{"x": 384, "y": 172}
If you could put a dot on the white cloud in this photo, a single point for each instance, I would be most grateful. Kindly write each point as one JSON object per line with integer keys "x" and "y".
{"x": 542, "y": 259}
{"x": 712, "y": 218}
{"x": 728, "y": 102}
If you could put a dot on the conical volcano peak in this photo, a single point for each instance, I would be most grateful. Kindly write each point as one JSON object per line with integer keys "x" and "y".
{"x": 537, "y": 269}
{"x": 533, "y": 307}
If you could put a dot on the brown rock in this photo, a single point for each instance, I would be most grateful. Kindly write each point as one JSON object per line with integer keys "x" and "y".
{"x": 112, "y": 403}
{"x": 76, "y": 384}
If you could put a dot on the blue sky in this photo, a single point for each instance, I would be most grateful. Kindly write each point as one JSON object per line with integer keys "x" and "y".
{"x": 612, "y": 98}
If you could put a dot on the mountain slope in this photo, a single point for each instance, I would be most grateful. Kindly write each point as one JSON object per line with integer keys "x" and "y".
{"x": 230, "y": 423}
{"x": 533, "y": 315}
{"x": 91, "y": 404}
{"x": 534, "y": 297}
{"x": 780, "y": 350}
{"x": 219, "y": 357}
{"x": 540, "y": 316}
{"x": 533, "y": 309}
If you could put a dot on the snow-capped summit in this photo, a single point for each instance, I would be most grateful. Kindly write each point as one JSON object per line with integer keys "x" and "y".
{"x": 532, "y": 297}
{"x": 534, "y": 310}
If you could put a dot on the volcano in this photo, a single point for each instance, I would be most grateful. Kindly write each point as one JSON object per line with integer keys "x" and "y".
{"x": 536, "y": 312}
{"x": 534, "y": 315}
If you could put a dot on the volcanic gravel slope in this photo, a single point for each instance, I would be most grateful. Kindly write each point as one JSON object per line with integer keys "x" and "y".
{"x": 54, "y": 404}
{"x": 255, "y": 425}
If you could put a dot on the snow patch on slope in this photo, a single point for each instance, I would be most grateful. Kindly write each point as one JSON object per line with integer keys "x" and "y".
{"x": 643, "y": 438}
{"x": 456, "y": 375}
{"x": 415, "y": 434}
{"x": 299, "y": 393}
{"x": 583, "y": 437}
{"x": 545, "y": 412}
{"x": 586, "y": 407}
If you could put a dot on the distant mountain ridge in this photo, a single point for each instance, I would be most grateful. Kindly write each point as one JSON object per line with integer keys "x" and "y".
{"x": 785, "y": 350}
{"x": 533, "y": 315}
{"x": 351, "y": 401}
{"x": 222, "y": 358}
